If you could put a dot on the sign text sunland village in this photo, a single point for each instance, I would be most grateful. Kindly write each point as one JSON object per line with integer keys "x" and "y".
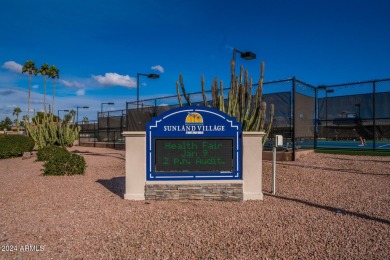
{"x": 194, "y": 129}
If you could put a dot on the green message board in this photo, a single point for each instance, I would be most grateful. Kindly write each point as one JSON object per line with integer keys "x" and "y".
{"x": 203, "y": 155}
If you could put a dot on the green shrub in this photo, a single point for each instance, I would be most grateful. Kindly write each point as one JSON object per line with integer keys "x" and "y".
{"x": 15, "y": 145}
{"x": 65, "y": 164}
{"x": 48, "y": 152}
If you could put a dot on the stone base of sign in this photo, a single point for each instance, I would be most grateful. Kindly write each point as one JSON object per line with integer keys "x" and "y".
{"x": 221, "y": 191}
{"x": 137, "y": 186}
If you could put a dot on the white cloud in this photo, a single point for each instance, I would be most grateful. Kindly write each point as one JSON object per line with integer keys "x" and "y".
{"x": 72, "y": 84}
{"x": 18, "y": 96}
{"x": 227, "y": 46}
{"x": 114, "y": 79}
{"x": 158, "y": 68}
{"x": 12, "y": 66}
{"x": 35, "y": 86}
{"x": 80, "y": 92}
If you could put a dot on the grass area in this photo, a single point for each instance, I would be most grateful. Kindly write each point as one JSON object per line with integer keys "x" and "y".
{"x": 366, "y": 152}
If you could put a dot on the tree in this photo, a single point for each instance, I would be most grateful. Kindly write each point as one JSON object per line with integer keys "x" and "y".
{"x": 23, "y": 122}
{"x": 6, "y": 124}
{"x": 67, "y": 118}
{"x": 54, "y": 74}
{"x": 29, "y": 67}
{"x": 73, "y": 114}
{"x": 85, "y": 120}
{"x": 44, "y": 70}
{"x": 16, "y": 113}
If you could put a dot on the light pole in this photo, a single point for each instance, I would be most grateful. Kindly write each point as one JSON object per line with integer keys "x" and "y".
{"x": 77, "y": 113}
{"x": 326, "y": 107}
{"x": 65, "y": 110}
{"x": 247, "y": 55}
{"x": 150, "y": 76}
{"x": 106, "y": 103}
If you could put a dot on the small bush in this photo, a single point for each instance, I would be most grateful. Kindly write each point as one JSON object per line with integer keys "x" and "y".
{"x": 48, "y": 152}
{"x": 15, "y": 145}
{"x": 65, "y": 164}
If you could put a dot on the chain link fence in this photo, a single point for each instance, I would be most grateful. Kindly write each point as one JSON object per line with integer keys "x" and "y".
{"x": 106, "y": 131}
{"x": 354, "y": 115}
{"x": 308, "y": 117}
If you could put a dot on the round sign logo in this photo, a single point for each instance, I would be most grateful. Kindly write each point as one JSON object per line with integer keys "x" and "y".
{"x": 194, "y": 118}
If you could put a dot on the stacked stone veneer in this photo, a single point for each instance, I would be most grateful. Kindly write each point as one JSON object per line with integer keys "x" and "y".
{"x": 209, "y": 191}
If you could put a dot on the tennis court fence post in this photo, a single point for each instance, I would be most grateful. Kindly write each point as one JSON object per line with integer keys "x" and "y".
{"x": 374, "y": 114}
{"x": 293, "y": 118}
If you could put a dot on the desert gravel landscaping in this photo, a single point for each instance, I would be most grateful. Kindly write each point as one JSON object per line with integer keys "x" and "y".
{"x": 326, "y": 207}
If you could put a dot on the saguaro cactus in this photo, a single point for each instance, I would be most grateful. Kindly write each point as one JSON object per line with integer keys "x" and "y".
{"x": 248, "y": 109}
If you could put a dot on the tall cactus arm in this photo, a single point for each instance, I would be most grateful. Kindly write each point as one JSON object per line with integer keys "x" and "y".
{"x": 183, "y": 89}
{"x": 271, "y": 120}
{"x": 203, "y": 92}
{"x": 178, "y": 94}
{"x": 221, "y": 97}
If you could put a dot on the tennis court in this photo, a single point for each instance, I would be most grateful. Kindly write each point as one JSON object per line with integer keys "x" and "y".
{"x": 342, "y": 144}
{"x": 352, "y": 144}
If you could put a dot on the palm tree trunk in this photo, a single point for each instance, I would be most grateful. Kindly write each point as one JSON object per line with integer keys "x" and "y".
{"x": 17, "y": 123}
{"x": 44, "y": 94}
{"x": 29, "y": 95}
{"x": 52, "y": 98}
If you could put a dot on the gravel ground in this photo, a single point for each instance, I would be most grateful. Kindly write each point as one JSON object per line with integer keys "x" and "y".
{"x": 327, "y": 206}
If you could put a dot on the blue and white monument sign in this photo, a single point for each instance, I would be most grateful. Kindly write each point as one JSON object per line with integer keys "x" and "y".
{"x": 194, "y": 143}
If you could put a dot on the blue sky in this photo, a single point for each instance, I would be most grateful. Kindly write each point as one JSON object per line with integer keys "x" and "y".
{"x": 100, "y": 46}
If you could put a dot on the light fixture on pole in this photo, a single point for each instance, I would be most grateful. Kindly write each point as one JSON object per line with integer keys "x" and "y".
{"x": 247, "y": 55}
{"x": 77, "y": 112}
{"x": 65, "y": 110}
{"x": 150, "y": 76}
{"x": 106, "y": 103}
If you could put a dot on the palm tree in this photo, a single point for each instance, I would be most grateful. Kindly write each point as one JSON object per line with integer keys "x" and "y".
{"x": 44, "y": 71}
{"x": 30, "y": 67}
{"x": 16, "y": 112}
{"x": 85, "y": 120}
{"x": 73, "y": 114}
{"x": 54, "y": 74}
{"x": 67, "y": 118}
